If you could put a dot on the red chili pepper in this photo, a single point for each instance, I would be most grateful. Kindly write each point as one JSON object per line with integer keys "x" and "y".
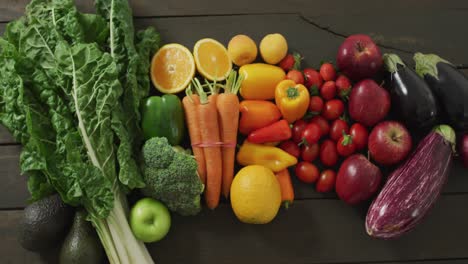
{"x": 277, "y": 131}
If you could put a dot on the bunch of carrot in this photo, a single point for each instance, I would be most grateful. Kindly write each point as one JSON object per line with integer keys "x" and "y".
{"x": 212, "y": 120}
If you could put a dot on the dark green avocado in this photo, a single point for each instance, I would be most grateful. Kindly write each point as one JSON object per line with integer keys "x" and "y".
{"x": 82, "y": 244}
{"x": 45, "y": 223}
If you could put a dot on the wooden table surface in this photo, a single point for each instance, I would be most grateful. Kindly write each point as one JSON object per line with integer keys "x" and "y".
{"x": 318, "y": 228}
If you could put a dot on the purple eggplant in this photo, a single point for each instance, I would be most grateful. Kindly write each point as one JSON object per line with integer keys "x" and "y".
{"x": 412, "y": 99}
{"x": 464, "y": 150}
{"x": 413, "y": 188}
{"x": 449, "y": 85}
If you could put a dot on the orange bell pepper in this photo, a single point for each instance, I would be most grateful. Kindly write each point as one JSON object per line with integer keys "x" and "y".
{"x": 256, "y": 114}
{"x": 292, "y": 99}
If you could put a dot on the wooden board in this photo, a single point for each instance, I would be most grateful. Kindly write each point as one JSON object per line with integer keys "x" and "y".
{"x": 318, "y": 228}
{"x": 309, "y": 232}
{"x": 313, "y": 232}
{"x": 403, "y": 26}
{"x": 13, "y": 190}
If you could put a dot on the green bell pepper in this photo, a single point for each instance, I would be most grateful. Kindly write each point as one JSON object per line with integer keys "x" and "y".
{"x": 163, "y": 116}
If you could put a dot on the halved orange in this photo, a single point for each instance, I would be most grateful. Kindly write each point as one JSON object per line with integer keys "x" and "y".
{"x": 172, "y": 68}
{"x": 212, "y": 59}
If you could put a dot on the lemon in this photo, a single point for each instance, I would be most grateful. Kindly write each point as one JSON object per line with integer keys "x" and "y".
{"x": 242, "y": 50}
{"x": 255, "y": 195}
{"x": 273, "y": 48}
{"x": 212, "y": 59}
{"x": 172, "y": 68}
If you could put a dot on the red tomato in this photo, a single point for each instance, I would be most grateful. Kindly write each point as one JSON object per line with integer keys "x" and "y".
{"x": 328, "y": 90}
{"x": 306, "y": 172}
{"x": 287, "y": 63}
{"x": 322, "y": 123}
{"x": 316, "y": 104}
{"x": 343, "y": 85}
{"x": 296, "y": 76}
{"x": 345, "y": 146}
{"x": 337, "y": 129}
{"x": 327, "y": 71}
{"x": 333, "y": 109}
{"x": 326, "y": 181}
{"x": 310, "y": 152}
{"x": 328, "y": 154}
{"x": 311, "y": 133}
{"x": 290, "y": 147}
{"x": 297, "y": 130}
{"x": 312, "y": 78}
{"x": 360, "y": 135}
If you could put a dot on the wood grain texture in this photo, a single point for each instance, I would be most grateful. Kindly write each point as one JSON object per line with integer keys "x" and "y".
{"x": 12, "y": 9}
{"x": 401, "y": 26}
{"x": 312, "y": 232}
{"x": 309, "y": 232}
{"x": 13, "y": 190}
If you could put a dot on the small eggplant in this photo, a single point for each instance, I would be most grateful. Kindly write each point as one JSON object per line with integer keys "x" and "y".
{"x": 449, "y": 85}
{"x": 412, "y": 99}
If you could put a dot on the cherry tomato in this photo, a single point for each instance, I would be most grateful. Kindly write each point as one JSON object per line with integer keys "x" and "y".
{"x": 311, "y": 133}
{"x": 287, "y": 63}
{"x": 316, "y": 104}
{"x": 337, "y": 129}
{"x": 343, "y": 86}
{"x": 310, "y": 152}
{"x": 312, "y": 78}
{"x": 333, "y": 109}
{"x": 290, "y": 147}
{"x": 326, "y": 181}
{"x": 322, "y": 123}
{"x": 297, "y": 130}
{"x": 327, "y": 71}
{"x": 307, "y": 172}
{"x": 360, "y": 135}
{"x": 296, "y": 76}
{"x": 345, "y": 146}
{"x": 328, "y": 90}
{"x": 328, "y": 154}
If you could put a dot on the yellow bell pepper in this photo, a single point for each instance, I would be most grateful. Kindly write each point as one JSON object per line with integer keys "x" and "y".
{"x": 260, "y": 81}
{"x": 292, "y": 99}
{"x": 273, "y": 158}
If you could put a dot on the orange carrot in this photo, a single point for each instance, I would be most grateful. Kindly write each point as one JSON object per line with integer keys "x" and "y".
{"x": 191, "y": 104}
{"x": 209, "y": 129}
{"x": 228, "y": 116}
{"x": 287, "y": 190}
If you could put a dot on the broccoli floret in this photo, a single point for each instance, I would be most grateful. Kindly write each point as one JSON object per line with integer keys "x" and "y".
{"x": 171, "y": 177}
{"x": 157, "y": 153}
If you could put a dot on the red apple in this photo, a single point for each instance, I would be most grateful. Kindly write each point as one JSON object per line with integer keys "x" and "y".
{"x": 358, "y": 179}
{"x": 358, "y": 57}
{"x": 389, "y": 143}
{"x": 368, "y": 102}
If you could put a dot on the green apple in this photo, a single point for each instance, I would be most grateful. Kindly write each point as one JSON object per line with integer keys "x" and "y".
{"x": 150, "y": 220}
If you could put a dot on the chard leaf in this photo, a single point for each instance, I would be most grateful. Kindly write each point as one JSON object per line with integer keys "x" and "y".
{"x": 126, "y": 118}
{"x": 148, "y": 42}
{"x": 62, "y": 157}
